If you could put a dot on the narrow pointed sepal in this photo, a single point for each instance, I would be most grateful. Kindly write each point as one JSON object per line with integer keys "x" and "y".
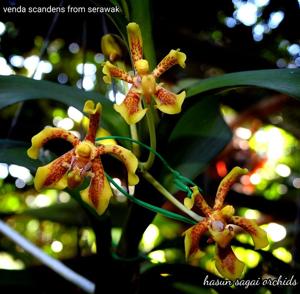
{"x": 98, "y": 193}
{"x": 53, "y": 174}
{"x": 131, "y": 108}
{"x": 111, "y": 71}
{"x": 192, "y": 238}
{"x": 226, "y": 184}
{"x": 167, "y": 101}
{"x": 258, "y": 235}
{"x": 47, "y": 134}
{"x": 135, "y": 41}
{"x": 172, "y": 58}
{"x": 126, "y": 156}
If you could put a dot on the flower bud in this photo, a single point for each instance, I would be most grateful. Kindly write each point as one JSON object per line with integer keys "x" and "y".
{"x": 110, "y": 47}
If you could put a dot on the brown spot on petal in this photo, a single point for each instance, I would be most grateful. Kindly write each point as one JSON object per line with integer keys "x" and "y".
{"x": 58, "y": 169}
{"x": 165, "y": 97}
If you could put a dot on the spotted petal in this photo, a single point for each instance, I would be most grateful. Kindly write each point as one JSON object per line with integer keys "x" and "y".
{"x": 192, "y": 238}
{"x": 98, "y": 193}
{"x": 173, "y": 57}
{"x": 197, "y": 200}
{"x": 258, "y": 235}
{"x": 126, "y": 156}
{"x": 226, "y": 184}
{"x": 53, "y": 175}
{"x": 228, "y": 264}
{"x": 135, "y": 41}
{"x": 112, "y": 71}
{"x": 94, "y": 117}
{"x": 131, "y": 108}
{"x": 167, "y": 101}
{"x": 47, "y": 134}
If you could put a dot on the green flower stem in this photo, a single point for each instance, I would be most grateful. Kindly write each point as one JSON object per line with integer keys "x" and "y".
{"x": 170, "y": 197}
{"x": 134, "y": 135}
{"x": 151, "y": 126}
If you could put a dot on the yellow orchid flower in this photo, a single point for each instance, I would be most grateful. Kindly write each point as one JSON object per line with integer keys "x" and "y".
{"x": 143, "y": 82}
{"x": 219, "y": 221}
{"x": 70, "y": 169}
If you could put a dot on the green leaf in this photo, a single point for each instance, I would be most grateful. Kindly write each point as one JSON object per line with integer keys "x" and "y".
{"x": 15, "y": 152}
{"x": 286, "y": 81}
{"x": 14, "y": 89}
{"x": 66, "y": 213}
{"x": 198, "y": 137}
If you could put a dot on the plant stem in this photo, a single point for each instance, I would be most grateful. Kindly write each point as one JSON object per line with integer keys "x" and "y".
{"x": 134, "y": 135}
{"x": 170, "y": 197}
{"x": 151, "y": 126}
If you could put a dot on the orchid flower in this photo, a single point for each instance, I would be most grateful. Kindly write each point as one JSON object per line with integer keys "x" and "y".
{"x": 83, "y": 160}
{"x": 144, "y": 82}
{"x": 220, "y": 222}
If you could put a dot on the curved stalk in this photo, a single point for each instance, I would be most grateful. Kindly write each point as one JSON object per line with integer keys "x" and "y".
{"x": 134, "y": 135}
{"x": 151, "y": 126}
{"x": 170, "y": 197}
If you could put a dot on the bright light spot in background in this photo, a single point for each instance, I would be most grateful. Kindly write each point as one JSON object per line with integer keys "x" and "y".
{"x": 275, "y": 231}
{"x": 249, "y": 257}
{"x": 42, "y": 200}
{"x": 252, "y": 214}
{"x": 120, "y": 97}
{"x": 258, "y": 31}
{"x": 119, "y": 195}
{"x": 32, "y": 225}
{"x": 282, "y": 254}
{"x": 296, "y": 183}
{"x": 66, "y": 124}
{"x": 2, "y": 28}
{"x": 283, "y": 170}
{"x": 57, "y": 246}
{"x": 275, "y": 19}
{"x": 34, "y": 65}
{"x": 230, "y": 22}
{"x": 75, "y": 114}
{"x": 9, "y": 263}
{"x": 116, "y": 235}
{"x": 3, "y": 170}
{"x": 88, "y": 83}
{"x": 243, "y": 133}
{"x": 89, "y": 69}
{"x": 255, "y": 179}
{"x": 274, "y": 142}
{"x": 149, "y": 237}
{"x": 99, "y": 57}
{"x": 294, "y": 49}
{"x": 157, "y": 256}
{"x": 31, "y": 62}
{"x": 5, "y": 69}
{"x": 111, "y": 95}
{"x": 20, "y": 184}
{"x": 17, "y": 61}
{"x": 63, "y": 197}
{"x": 62, "y": 78}
{"x": 261, "y": 3}
{"x": 74, "y": 48}
{"x": 247, "y": 13}
{"x": 20, "y": 172}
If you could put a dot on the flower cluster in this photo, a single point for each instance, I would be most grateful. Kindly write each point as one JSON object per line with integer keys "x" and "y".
{"x": 144, "y": 82}
{"x": 83, "y": 160}
{"x": 221, "y": 222}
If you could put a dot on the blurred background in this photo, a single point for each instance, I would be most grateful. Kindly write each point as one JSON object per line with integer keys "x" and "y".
{"x": 218, "y": 37}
